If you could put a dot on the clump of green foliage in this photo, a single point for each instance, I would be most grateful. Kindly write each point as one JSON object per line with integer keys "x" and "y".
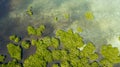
{"x": 110, "y": 55}
{"x": 12, "y": 63}
{"x": 66, "y": 16}
{"x": 25, "y": 44}
{"x": 66, "y": 48}
{"x": 32, "y": 31}
{"x": 55, "y": 65}
{"x": 89, "y": 15}
{"x": 79, "y": 29}
{"x": 2, "y": 58}
{"x": 29, "y": 11}
{"x": 14, "y": 38}
{"x": 14, "y": 51}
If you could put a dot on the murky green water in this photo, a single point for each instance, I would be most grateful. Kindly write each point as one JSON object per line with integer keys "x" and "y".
{"x": 62, "y": 14}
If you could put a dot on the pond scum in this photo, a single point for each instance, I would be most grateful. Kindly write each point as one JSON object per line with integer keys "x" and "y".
{"x": 66, "y": 47}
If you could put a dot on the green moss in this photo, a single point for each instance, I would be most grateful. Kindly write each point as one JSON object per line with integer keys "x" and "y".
{"x": 25, "y": 44}
{"x": 14, "y": 51}
{"x": 66, "y": 16}
{"x": 2, "y": 58}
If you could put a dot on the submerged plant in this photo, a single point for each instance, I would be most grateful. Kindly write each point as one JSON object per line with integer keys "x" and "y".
{"x": 89, "y": 15}
{"x": 66, "y": 16}
{"x": 29, "y": 11}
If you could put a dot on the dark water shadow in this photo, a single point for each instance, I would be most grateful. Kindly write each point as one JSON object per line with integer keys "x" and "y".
{"x": 4, "y": 8}
{"x": 7, "y": 28}
{"x": 49, "y": 30}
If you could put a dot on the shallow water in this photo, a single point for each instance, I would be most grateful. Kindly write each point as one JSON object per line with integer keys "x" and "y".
{"x": 103, "y": 29}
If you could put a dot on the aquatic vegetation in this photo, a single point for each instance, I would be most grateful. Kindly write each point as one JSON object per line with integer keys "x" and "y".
{"x": 106, "y": 63}
{"x": 66, "y": 16}
{"x": 14, "y": 38}
{"x": 40, "y": 30}
{"x": 2, "y": 58}
{"x": 94, "y": 64}
{"x": 55, "y": 65}
{"x": 110, "y": 53}
{"x": 25, "y": 44}
{"x": 88, "y": 50}
{"x": 17, "y": 39}
{"x": 89, "y": 15}
{"x": 29, "y": 11}
{"x": 64, "y": 47}
{"x": 14, "y": 51}
{"x": 119, "y": 38}
{"x": 56, "y": 19}
{"x": 32, "y": 31}
{"x": 69, "y": 38}
{"x": 12, "y": 63}
{"x": 79, "y": 29}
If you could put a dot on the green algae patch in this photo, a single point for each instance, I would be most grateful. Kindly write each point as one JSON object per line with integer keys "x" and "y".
{"x": 12, "y": 63}
{"x": 33, "y": 31}
{"x": 66, "y": 16}
{"x": 29, "y": 11}
{"x": 55, "y": 65}
{"x": 79, "y": 29}
{"x": 14, "y": 38}
{"x": 14, "y": 51}
{"x": 110, "y": 53}
{"x": 63, "y": 47}
{"x": 89, "y": 15}
{"x": 25, "y": 44}
{"x": 2, "y": 58}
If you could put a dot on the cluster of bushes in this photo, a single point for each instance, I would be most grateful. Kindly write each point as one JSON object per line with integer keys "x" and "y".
{"x": 66, "y": 47}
